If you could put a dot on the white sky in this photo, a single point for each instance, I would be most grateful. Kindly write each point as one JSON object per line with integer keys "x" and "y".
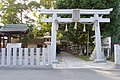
{"x": 28, "y": 0}
{"x": 35, "y": 0}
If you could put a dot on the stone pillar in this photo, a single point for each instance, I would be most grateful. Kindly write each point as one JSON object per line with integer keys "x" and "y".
{"x": 99, "y": 54}
{"x": 49, "y": 56}
{"x": 53, "y": 38}
{"x": 117, "y": 55}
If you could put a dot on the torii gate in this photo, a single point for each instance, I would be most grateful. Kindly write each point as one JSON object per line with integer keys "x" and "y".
{"x": 76, "y": 18}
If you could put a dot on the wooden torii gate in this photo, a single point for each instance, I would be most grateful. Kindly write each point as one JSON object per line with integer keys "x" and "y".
{"x": 96, "y": 19}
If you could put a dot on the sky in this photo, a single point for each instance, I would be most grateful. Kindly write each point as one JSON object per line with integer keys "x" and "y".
{"x": 28, "y": 1}
{"x": 35, "y": 0}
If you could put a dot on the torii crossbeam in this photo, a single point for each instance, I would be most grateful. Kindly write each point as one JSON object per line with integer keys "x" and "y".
{"x": 76, "y": 17}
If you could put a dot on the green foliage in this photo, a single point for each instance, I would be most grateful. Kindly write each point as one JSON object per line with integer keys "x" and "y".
{"x": 16, "y": 11}
{"x": 111, "y": 59}
{"x": 10, "y": 9}
{"x": 107, "y": 29}
{"x": 86, "y": 58}
{"x": 47, "y": 3}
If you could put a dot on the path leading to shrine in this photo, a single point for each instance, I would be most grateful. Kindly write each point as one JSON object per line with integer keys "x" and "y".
{"x": 66, "y": 60}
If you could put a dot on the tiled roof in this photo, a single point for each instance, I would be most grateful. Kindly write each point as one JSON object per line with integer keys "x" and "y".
{"x": 14, "y": 28}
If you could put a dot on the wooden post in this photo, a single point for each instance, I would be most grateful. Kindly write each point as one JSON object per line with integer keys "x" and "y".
{"x": 3, "y": 42}
{"x": 20, "y": 36}
{"x": 9, "y": 39}
{"x": 25, "y": 44}
{"x": 88, "y": 43}
{"x": 0, "y": 42}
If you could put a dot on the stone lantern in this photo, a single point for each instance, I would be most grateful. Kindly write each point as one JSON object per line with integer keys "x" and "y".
{"x": 47, "y": 39}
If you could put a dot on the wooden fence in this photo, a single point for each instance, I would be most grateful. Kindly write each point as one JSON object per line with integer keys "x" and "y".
{"x": 25, "y": 56}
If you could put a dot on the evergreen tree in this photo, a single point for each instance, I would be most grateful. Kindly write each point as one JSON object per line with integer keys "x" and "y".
{"x": 107, "y": 29}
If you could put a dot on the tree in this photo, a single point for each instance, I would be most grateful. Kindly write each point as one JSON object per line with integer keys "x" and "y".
{"x": 107, "y": 29}
{"x": 47, "y": 3}
{"x": 15, "y": 12}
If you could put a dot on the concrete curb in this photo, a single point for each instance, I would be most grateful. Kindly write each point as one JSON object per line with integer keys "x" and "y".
{"x": 26, "y": 67}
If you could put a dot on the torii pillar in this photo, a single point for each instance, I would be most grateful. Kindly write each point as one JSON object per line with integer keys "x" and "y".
{"x": 53, "y": 37}
{"x": 99, "y": 54}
